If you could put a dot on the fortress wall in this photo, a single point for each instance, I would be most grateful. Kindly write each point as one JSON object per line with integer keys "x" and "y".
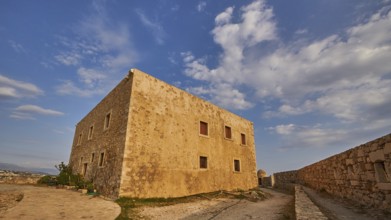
{"x": 285, "y": 180}
{"x": 362, "y": 174}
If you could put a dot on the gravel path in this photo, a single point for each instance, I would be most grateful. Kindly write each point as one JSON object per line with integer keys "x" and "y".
{"x": 223, "y": 208}
{"x": 49, "y": 203}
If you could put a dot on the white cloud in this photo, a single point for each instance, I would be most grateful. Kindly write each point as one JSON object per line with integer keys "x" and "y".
{"x": 301, "y": 31}
{"x": 69, "y": 88}
{"x": 22, "y": 116}
{"x": 342, "y": 77}
{"x": 201, "y": 6}
{"x": 10, "y": 88}
{"x": 90, "y": 77}
{"x": 153, "y": 26}
{"x": 256, "y": 26}
{"x": 284, "y": 129}
{"x": 37, "y": 110}
{"x": 68, "y": 59}
{"x": 223, "y": 95}
{"x": 100, "y": 50}
{"x": 17, "y": 47}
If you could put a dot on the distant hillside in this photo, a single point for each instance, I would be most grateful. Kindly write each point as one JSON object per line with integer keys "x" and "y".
{"x": 13, "y": 167}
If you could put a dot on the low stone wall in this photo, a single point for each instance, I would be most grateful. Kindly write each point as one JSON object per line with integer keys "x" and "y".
{"x": 304, "y": 207}
{"x": 268, "y": 181}
{"x": 9, "y": 177}
{"x": 285, "y": 180}
{"x": 362, "y": 174}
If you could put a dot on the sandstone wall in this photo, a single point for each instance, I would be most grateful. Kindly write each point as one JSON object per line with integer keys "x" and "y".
{"x": 106, "y": 139}
{"x": 362, "y": 174}
{"x": 164, "y": 145}
{"x": 285, "y": 180}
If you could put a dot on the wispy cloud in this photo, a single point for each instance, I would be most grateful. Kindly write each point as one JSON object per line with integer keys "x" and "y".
{"x": 201, "y": 6}
{"x": 68, "y": 58}
{"x": 38, "y": 110}
{"x": 10, "y": 88}
{"x": 17, "y": 47}
{"x": 99, "y": 50}
{"x": 21, "y": 116}
{"x": 153, "y": 26}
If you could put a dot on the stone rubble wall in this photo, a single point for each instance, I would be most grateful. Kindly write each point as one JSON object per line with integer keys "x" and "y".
{"x": 362, "y": 174}
{"x": 304, "y": 207}
{"x": 268, "y": 181}
{"x": 285, "y": 180}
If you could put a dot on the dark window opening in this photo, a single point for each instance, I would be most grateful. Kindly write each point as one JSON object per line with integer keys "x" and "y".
{"x": 203, "y": 128}
{"x": 237, "y": 165}
{"x": 101, "y": 159}
{"x": 92, "y": 157}
{"x": 84, "y": 171}
{"x": 203, "y": 162}
{"x": 79, "y": 139}
{"x": 243, "y": 137}
{"x": 90, "y": 132}
{"x": 228, "y": 133}
{"x": 107, "y": 120}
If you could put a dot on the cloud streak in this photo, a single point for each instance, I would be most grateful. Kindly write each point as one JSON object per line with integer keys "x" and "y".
{"x": 38, "y": 110}
{"x": 154, "y": 27}
{"x": 10, "y": 88}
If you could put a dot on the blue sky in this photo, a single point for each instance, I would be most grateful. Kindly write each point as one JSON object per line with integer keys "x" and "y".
{"x": 313, "y": 76}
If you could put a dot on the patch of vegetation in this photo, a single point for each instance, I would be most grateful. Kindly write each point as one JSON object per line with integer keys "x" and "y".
{"x": 67, "y": 178}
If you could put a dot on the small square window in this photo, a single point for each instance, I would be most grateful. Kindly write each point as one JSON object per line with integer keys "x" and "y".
{"x": 101, "y": 159}
{"x": 203, "y": 128}
{"x": 243, "y": 138}
{"x": 107, "y": 121}
{"x": 228, "y": 133}
{"x": 203, "y": 162}
{"x": 237, "y": 165}
{"x": 90, "y": 132}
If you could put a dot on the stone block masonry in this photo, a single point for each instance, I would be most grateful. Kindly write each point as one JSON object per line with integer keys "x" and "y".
{"x": 286, "y": 180}
{"x": 147, "y": 138}
{"x": 362, "y": 174}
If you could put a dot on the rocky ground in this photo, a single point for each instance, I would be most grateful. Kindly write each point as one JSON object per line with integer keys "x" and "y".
{"x": 31, "y": 202}
{"x": 276, "y": 206}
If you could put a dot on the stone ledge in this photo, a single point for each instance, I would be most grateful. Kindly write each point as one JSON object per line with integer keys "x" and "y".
{"x": 304, "y": 207}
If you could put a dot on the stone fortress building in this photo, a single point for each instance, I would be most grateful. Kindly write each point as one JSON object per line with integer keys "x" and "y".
{"x": 147, "y": 138}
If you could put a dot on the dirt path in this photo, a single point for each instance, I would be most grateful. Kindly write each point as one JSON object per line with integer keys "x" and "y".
{"x": 337, "y": 209}
{"x": 48, "y": 203}
{"x": 223, "y": 208}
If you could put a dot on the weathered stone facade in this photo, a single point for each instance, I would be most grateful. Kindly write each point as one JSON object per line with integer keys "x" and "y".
{"x": 153, "y": 146}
